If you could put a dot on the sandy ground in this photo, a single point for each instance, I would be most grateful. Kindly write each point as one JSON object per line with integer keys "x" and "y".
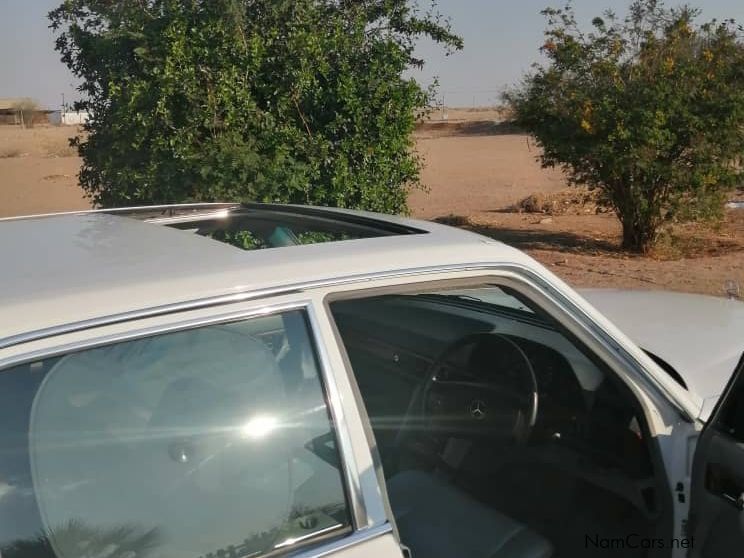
{"x": 475, "y": 171}
{"x": 466, "y": 173}
{"x": 38, "y": 171}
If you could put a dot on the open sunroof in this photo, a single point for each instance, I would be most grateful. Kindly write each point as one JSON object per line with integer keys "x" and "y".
{"x": 259, "y": 226}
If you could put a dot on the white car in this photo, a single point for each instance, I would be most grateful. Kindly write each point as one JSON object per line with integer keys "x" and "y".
{"x": 227, "y": 381}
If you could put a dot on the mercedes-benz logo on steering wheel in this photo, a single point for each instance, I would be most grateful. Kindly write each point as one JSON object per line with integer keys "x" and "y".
{"x": 478, "y": 409}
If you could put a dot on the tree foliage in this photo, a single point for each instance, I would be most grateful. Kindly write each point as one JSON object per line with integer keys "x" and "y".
{"x": 301, "y": 101}
{"x": 648, "y": 109}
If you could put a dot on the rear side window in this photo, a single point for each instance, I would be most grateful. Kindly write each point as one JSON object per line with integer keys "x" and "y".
{"x": 208, "y": 442}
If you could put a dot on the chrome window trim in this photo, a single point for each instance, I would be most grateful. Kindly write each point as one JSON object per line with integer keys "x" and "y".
{"x": 287, "y": 543}
{"x": 519, "y": 271}
{"x": 368, "y": 433}
{"x": 148, "y": 331}
{"x": 354, "y": 539}
{"x": 349, "y": 470}
{"x": 250, "y": 294}
{"x": 131, "y": 315}
{"x": 343, "y": 436}
{"x": 221, "y": 213}
{"x": 526, "y": 277}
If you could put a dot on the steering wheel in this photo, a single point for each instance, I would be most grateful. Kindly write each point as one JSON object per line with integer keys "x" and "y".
{"x": 481, "y": 386}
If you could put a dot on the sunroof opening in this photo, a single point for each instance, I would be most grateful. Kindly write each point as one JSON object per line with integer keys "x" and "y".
{"x": 260, "y": 226}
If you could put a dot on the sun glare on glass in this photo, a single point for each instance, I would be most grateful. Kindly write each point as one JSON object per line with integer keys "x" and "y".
{"x": 259, "y": 427}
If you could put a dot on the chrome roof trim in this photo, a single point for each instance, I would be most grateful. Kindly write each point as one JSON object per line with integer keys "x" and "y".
{"x": 150, "y": 312}
{"x": 133, "y": 210}
{"x": 241, "y": 296}
{"x": 523, "y": 271}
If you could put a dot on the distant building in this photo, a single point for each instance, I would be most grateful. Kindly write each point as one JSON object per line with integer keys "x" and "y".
{"x": 74, "y": 117}
{"x": 11, "y": 113}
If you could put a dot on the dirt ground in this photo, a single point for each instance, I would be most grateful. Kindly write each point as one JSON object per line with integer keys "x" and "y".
{"x": 477, "y": 171}
{"x": 38, "y": 171}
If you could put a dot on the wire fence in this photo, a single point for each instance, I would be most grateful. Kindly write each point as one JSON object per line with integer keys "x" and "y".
{"x": 469, "y": 98}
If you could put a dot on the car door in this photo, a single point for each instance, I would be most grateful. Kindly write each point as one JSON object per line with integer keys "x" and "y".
{"x": 717, "y": 505}
{"x": 206, "y": 433}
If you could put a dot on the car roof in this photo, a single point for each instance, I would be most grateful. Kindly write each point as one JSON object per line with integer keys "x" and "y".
{"x": 71, "y": 267}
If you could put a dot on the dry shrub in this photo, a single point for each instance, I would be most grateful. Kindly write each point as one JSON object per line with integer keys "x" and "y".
{"x": 10, "y": 152}
{"x": 572, "y": 201}
{"x": 453, "y": 220}
{"x": 26, "y": 110}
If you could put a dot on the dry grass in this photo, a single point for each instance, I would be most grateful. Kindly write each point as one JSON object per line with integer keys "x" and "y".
{"x": 58, "y": 149}
{"x": 571, "y": 201}
{"x": 41, "y": 141}
{"x": 10, "y": 152}
{"x": 455, "y": 220}
{"x": 57, "y": 177}
{"x": 701, "y": 239}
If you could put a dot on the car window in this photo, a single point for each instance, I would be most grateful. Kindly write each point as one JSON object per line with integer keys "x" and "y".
{"x": 395, "y": 343}
{"x": 214, "y": 441}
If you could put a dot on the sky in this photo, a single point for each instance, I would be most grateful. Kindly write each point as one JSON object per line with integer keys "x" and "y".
{"x": 501, "y": 38}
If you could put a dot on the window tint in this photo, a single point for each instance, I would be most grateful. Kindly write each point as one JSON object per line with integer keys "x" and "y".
{"x": 209, "y": 442}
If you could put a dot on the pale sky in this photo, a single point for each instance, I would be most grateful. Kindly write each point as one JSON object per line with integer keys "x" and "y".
{"x": 501, "y": 41}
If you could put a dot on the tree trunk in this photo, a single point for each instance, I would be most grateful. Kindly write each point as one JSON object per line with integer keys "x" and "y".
{"x": 639, "y": 232}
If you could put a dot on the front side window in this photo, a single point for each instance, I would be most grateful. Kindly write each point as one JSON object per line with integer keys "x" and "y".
{"x": 487, "y": 411}
{"x": 214, "y": 441}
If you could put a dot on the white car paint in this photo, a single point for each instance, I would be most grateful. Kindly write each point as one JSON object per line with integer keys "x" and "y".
{"x": 701, "y": 337}
{"x": 64, "y": 269}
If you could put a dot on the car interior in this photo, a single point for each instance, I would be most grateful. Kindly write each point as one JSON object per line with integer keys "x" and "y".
{"x": 500, "y": 435}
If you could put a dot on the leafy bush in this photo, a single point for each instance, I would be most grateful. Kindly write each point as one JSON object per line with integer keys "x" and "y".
{"x": 648, "y": 110}
{"x": 266, "y": 100}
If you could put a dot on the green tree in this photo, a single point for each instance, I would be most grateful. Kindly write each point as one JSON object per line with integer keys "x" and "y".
{"x": 301, "y": 101}
{"x": 648, "y": 110}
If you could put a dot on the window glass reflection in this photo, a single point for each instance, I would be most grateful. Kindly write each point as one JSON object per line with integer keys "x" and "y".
{"x": 208, "y": 442}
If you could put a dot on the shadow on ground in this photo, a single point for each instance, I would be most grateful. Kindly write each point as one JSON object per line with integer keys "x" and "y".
{"x": 692, "y": 241}
{"x": 537, "y": 239}
{"x": 446, "y": 128}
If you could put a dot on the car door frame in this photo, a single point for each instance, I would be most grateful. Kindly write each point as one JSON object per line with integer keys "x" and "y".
{"x": 664, "y": 413}
{"x": 372, "y": 533}
{"x": 669, "y": 407}
{"x": 718, "y": 469}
